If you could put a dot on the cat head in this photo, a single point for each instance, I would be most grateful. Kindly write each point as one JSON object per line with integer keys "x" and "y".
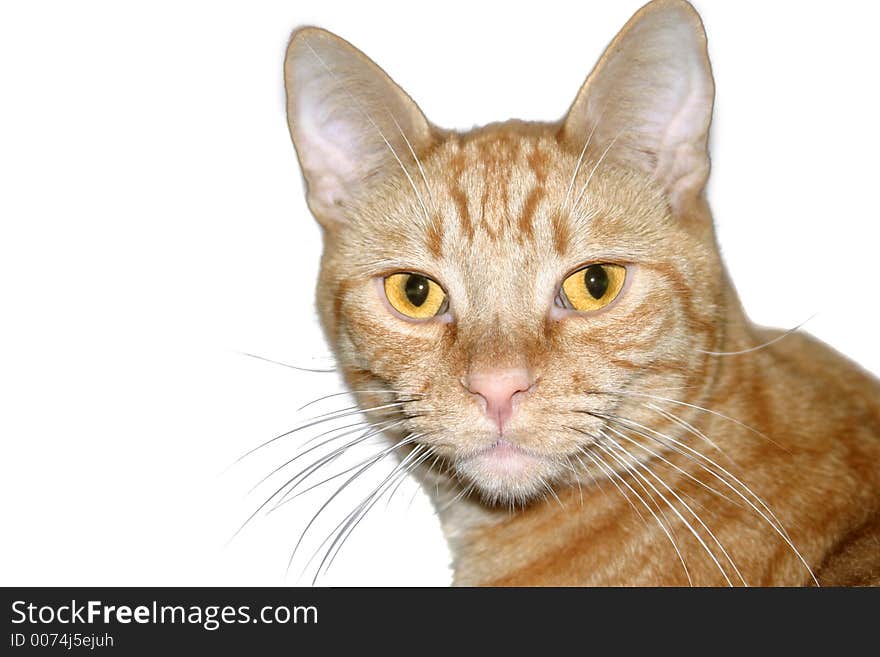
{"x": 499, "y": 291}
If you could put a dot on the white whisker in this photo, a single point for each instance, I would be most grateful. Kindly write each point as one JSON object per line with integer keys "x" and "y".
{"x": 775, "y": 524}
{"x": 666, "y": 530}
{"x": 760, "y": 346}
{"x": 642, "y": 466}
{"x": 580, "y": 160}
{"x": 593, "y": 170}
{"x": 698, "y": 408}
{"x": 415, "y": 157}
{"x": 674, "y": 466}
{"x": 289, "y": 366}
{"x": 338, "y": 491}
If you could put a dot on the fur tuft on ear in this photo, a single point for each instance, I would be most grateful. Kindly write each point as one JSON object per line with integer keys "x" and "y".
{"x": 649, "y": 100}
{"x": 348, "y": 120}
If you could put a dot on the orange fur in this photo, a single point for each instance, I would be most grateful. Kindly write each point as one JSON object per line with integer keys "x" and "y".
{"x": 654, "y": 454}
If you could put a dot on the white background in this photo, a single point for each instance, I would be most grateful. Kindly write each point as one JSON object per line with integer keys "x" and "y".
{"x": 153, "y": 227}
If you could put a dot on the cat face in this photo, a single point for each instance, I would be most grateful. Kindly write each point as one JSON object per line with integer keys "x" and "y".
{"x": 498, "y": 291}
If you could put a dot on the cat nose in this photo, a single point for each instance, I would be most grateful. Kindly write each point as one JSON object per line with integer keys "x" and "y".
{"x": 497, "y": 388}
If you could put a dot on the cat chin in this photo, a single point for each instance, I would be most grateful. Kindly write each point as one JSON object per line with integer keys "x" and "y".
{"x": 506, "y": 474}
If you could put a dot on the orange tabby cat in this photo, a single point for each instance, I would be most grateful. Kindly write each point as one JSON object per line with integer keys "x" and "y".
{"x": 542, "y": 316}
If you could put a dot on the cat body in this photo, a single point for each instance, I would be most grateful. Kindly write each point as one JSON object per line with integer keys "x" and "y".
{"x": 539, "y": 314}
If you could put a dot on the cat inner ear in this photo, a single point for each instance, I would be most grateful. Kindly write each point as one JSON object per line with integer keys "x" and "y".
{"x": 648, "y": 102}
{"x": 350, "y": 123}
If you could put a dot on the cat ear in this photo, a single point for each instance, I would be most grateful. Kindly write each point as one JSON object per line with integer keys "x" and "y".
{"x": 649, "y": 100}
{"x": 348, "y": 120}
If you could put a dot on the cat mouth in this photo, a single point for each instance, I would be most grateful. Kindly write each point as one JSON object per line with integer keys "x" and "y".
{"x": 505, "y": 470}
{"x": 501, "y": 450}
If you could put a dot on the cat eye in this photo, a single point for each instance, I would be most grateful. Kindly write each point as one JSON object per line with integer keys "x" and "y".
{"x": 592, "y": 287}
{"x": 415, "y": 296}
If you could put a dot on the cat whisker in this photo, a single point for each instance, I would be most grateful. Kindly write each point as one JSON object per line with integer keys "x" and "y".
{"x": 371, "y": 460}
{"x": 373, "y": 430}
{"x": 350, "y": 429}
{"x": 775, "y": 524}
{"x": 466, "y": 489}
{"x": 355, "y": 392}
{"x": 293, "y": 367}
{"x": 345, "y": 523}
{"x": 353, "y": 524}
{"x": 434, "y": 462}
{"x": 570, "y": 466}
{"x": 602, "y": 465}
{"x": 359, "y": 423}
{"x": 326, "y": 460}
{"x": 610, "y": 475}
{"x": 689, "y": 405}
{"x": 760, "y": 346}
{"x": 552, "y": 493}
{"x": 672, "y": 508}
{"x": 595, "y": 167}
{"x": 678, "y": 446}
{"x": 672, "y": 417}
{"x": 409, "y": 439}
{"x": 638, "y": 465}
{"x": 412, "y": 500}
{"x": 596, "y": 482}
{"x": 430, "y": 468}
{"x": 637, "y": 481}
{"x": 415, "y": 157}
{"x": 681, "y": 471}
{"x": 278, "y": 492}
{"x": 693, "y": 455}
{"x": 326, "y": 480}
{"x": 580, "y": 160}
{"x": 399, "y": 482}
{"x": 607, "y": 418}
{"x": 320, "y": 419}
{"x": 659, "y": 457}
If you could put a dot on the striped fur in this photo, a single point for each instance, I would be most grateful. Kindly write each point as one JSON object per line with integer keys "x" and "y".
{"x": 657, "y": 461}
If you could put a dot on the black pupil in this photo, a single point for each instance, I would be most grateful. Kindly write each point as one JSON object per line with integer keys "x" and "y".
{"x": 596, "y": 280}
{"x": 417, "y": 288}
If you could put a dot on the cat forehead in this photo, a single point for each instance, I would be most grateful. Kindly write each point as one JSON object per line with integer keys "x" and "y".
{"x": 507, "y": 191}
{"x": 493, "y": 185}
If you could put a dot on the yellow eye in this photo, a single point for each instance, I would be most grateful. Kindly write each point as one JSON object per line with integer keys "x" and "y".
{"x": 415, "y": 295}
{"x": 592, "y": 287}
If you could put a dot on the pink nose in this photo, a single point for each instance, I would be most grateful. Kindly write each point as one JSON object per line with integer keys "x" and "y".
{"x": 497, "y": 388}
